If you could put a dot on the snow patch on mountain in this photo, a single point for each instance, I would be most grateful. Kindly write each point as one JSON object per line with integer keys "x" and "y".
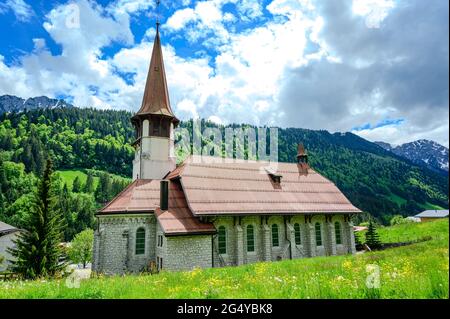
{"x": 425, "y": 152}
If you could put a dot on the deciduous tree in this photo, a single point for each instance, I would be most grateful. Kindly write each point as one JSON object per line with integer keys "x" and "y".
{"x": 80, "y": 250}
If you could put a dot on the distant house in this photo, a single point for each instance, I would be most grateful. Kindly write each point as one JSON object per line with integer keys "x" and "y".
{"x": 429, "y": 215}
{"x": 8, "y": 234}
{"x": 413, "y": 219}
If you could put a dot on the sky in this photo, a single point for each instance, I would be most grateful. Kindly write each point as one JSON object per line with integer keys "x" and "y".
{"x": 377, "y": 68}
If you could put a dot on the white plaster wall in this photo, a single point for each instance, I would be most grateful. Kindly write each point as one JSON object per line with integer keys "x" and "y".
{"x": 156, "y": 160}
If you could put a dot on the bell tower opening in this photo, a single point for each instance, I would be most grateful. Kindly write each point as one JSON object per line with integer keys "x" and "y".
{"x": 154, "y": 123}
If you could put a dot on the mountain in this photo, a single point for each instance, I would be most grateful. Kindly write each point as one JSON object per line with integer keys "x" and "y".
{"x": 421, "y": 152}
{"x": 11, "y": 103}
{"x": 374, "y": 179}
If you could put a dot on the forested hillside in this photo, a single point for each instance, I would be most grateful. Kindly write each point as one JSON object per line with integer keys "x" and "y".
{"x": 374, "y": 179}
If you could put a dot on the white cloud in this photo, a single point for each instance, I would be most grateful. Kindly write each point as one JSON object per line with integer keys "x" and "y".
{"x": 21, "y": 9}
{"x": 285, "y": 72}
{"x": 404, "y": 133}
{"x": 250, "y": 9}
{"x": 79, "y": 68}
{"x": 130, "y": 6}
{"x": 375, "y": 11}
{"x": 180, "y": 18}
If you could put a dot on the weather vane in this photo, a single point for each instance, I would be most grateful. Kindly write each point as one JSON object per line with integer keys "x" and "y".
{"x": 157, "y": 14}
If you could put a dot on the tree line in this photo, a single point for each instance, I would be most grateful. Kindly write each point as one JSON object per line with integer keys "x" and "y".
{"x": 77, "y": 203}
{"x": 375, "y": 180}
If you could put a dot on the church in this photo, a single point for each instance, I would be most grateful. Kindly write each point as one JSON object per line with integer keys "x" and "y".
{"x": 205, "y": 213}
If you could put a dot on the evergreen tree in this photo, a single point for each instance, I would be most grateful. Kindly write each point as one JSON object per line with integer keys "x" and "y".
{"x": 104, "y": 188}
{"x": 372, "y": 237}
{"x": 37, "y": 252}
{"x": 89, "y": 186}
{"x": 64, "y": 206}
{"x": 2, "y": 177}
{"x": 76, "y": 186}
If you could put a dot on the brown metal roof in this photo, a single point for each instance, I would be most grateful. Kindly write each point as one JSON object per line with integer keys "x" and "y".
{"x": 140, "y": 196}
{"x": 156, "y": 95}
{"x": 178, "y": 219}
{"x": 143, "y": 196}
{"x": 213, "y": 188}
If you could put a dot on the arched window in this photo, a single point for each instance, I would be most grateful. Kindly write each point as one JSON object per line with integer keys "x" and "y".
{"x": 318, "y": 235}
{"x": 298, "y": 237}
{"x": 337, "y": 231}
{"x": 275, "y": 238}
{"x": 140, "y": 241}
{"x": 222, "y": 240}
{"x": 250, "y": 238}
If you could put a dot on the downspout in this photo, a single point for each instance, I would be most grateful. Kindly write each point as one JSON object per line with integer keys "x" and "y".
{"x": 287, "y": 237}
{"x": 212, "y": 242}
{"x": 212, "y": 251}
{"x": 140, "y": 159}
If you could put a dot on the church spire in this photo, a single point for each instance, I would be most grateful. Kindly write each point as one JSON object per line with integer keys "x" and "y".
{"x": 156, "y": 94}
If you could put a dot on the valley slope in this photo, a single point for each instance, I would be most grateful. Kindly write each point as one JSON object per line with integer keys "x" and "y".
{"x": 375, "y": 180}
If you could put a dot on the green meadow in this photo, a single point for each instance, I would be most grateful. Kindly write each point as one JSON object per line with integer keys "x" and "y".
{"x": 419, "y": 270}
{"x": 68, "y": 176}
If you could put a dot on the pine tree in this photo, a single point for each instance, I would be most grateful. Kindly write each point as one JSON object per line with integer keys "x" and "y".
{"x": 89, "y": 186}
{"x": 37, "y": 252}
{"x": 372, "y": 237}
{"x": 76, "y": 185}
{"x": 63, "y": 204}
{"x": 104, "y": 188}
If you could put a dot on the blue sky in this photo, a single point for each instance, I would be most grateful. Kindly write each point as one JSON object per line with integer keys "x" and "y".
{"x": 378, "y": 68}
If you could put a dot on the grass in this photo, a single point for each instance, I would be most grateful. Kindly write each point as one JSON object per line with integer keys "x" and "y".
{"x": 428, "y": 205}
{"x": 397, "y": 199}
{"x": 69, "y": 176}
{"x": 416, "y": 271}
{"x": 413, "y": 231}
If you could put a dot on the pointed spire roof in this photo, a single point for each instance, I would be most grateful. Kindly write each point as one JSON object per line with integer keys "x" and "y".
{"x": 156, "y": 94}
{"x": 301, "y": 150}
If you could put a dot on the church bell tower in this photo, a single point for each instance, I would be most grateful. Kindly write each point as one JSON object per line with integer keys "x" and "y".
{"x": 154, "y": 123}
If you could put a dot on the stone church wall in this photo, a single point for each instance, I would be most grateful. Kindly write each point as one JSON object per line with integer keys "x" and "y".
{"x": 115, "y": 243}
{"x": 187, "y": 252}
{"x": 115, "y": 240}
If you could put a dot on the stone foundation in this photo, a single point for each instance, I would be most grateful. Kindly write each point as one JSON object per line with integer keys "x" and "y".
{"x": 115, "y": 242}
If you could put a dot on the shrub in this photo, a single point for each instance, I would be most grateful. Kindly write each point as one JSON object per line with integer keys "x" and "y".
{"x": 80, "y": 250}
